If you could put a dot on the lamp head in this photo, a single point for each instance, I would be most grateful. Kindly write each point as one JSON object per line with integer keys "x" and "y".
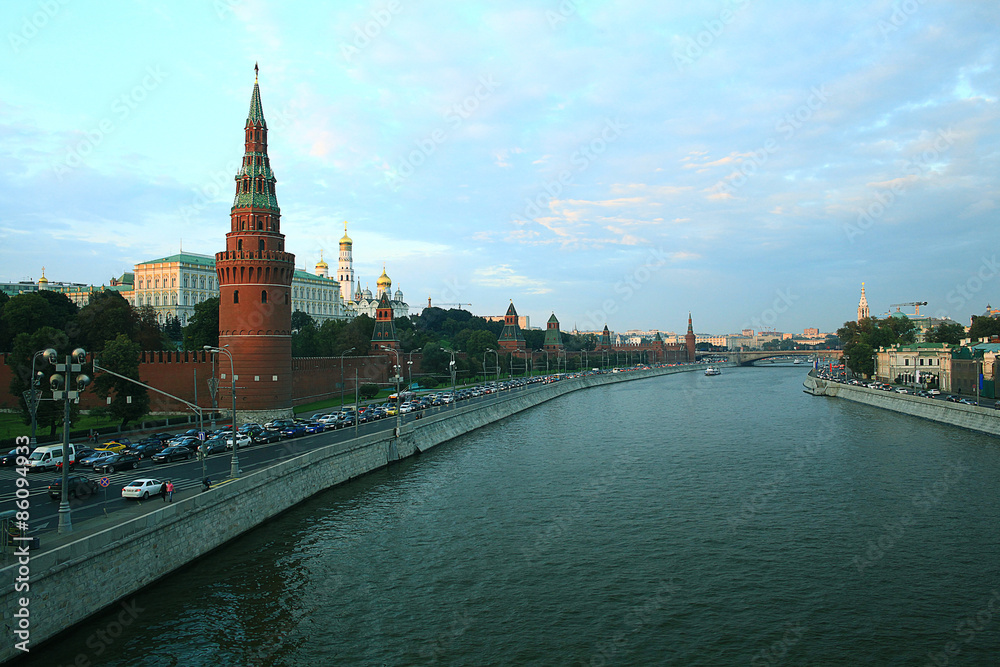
{"x": 57, "y": 382}
{"x": 50, "y": 355}
{"x": 79, "y": 355}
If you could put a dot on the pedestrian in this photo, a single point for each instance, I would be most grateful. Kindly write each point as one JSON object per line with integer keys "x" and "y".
{"x": 207, "y": 483}
{"x": 170, "y": 490}
{"x": 163, "y": 492}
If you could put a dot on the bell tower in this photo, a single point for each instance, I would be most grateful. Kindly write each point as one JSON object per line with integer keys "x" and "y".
{"x": 255, "y": 278}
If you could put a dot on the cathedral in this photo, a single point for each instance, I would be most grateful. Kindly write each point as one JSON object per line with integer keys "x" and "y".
{"x": 364, "y": 302}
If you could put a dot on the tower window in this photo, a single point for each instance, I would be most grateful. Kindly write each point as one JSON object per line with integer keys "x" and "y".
{"x": 236, "y": 296}
{"x": 261, "y": 244}
{"x": 263, "y": 296}
{"x": 239, "y": 244}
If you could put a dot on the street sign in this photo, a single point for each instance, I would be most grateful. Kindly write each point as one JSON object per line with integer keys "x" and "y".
{"x": 104, "y": 481}
{"x": 201, "y": 435}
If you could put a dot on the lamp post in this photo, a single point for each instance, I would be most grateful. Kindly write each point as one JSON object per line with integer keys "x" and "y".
{"x": 397, "y": 378}
{"x": 60, "y": 384}
{"x": 409, "y": 376}
{"x": 33, "y": 395}
{"x": 342, "y": 378}
{"x": 451, "y": 367}
{"x": 488, "y": 350}
{"x": 234, "y": 465}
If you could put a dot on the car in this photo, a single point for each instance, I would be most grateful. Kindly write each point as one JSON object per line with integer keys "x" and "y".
{"x": 900, "y": 390}
{"x": 191, "y": 443}
{"x": 392, "y": 411}
{"x": 966, "y": 401}
{"x": 953, "y": 399}
{"x": 84, "y": 452}
{"x": 934, "y": 392}
{"x": 10, "y": 458}
{"x": 95, "y": 458}
{"x": 293, "y": 431}
{"x": 242, "y": 440}
{"x": 266, "y": 436}
{"x": 143, "y": 488}
{"x": 114, "y": 446}
{"x": 279, "y": 424}
{"x": 123, "y": 461}
{"x": 78, "y": 485}
{"x": 147, "y": 449}
{"x": 213, "y": 445}
{"x": 346, "y": 419}
{"x": 171, "y": 454}
{"x": 315, "y": 427}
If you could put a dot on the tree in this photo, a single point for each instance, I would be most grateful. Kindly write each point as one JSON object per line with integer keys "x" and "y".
{"x": 63, "y": 310}
{"x": 5, "y": 338}
{"x": 148, "y": 333}
{"x": 203, "y": 327}
{"x": 27, "y": 313}
{"x": 121, "y": 355}
{"x": 951, "y": 333}
{"x": 862, "y": 338}
{"x": 435, "y": 360}
{"x": 301, "y": 320}
{"x": 172, "y": 329}
{"x": 107, "y": 316}
{"x": 982, "y": 327}
{"x": 368, "y": 390}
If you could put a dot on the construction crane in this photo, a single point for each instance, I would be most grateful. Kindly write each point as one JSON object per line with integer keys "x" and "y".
{"x": 447, "y": 304}
{"x": 915, "y": 304}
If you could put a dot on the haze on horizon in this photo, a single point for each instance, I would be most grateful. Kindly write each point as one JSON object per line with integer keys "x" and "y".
{"x": 619, "y": 163}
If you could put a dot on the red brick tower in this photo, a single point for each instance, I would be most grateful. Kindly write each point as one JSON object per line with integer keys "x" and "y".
{"x": 384, "y": 333}
{"x": 689, "y": 340}
{"x": 255, "y": 278}
{"x": 511, "y": 337}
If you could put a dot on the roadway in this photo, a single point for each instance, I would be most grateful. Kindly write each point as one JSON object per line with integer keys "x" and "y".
{"x": 187, "y": 476}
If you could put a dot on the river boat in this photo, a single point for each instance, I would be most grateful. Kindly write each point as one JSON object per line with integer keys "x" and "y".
{"x": 712, "y": 371}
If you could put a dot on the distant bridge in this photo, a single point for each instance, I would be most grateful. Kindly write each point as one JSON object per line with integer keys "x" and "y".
{"x": 747, "y": 358}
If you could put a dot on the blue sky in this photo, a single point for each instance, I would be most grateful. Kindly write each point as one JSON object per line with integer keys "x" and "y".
{"x": 614, "y": 162}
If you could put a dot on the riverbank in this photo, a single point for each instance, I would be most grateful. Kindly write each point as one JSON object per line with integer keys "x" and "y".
{"x": 972, "y": 417}
{"x": 79, "y": 575}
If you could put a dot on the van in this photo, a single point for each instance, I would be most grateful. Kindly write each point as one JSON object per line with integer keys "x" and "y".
{"x": 47, "y": 457}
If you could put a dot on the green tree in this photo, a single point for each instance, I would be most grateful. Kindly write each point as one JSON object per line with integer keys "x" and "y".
{"x": 301, "y": 320}
{"x": 63, "y": 310}
{"x": 951, "y": 333}
{"x": 121, "y": 355}
{"x": 982, "y": 327}
{"x": 107, "y": 316}
{"x": 27, "y": 313}
{"x": 435, "y": 360}
{"x": 148, "y": 333}
{"x": 203, "y": 327}
{"x": 5, "y": 337}
{"x": 172, "y": 329}
{"x": 861, "y": 339}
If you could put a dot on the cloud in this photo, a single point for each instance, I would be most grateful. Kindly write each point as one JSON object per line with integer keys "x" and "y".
{"x": 502, "y": 275}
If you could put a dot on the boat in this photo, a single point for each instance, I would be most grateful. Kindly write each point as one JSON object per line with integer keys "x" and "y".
{"x": 712, "y": 371}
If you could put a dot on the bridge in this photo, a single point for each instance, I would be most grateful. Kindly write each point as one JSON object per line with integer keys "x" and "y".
{"x": 746, "y": 358}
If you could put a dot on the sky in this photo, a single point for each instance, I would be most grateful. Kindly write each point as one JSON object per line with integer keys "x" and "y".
{"x": 619, "y": 163}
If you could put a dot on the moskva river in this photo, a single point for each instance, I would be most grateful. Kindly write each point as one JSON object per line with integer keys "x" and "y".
{"x": 684, "y": 520}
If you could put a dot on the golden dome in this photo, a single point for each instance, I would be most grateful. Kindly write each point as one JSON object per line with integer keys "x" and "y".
{"x": 321, "y": 264}
{"x": 43, "y": 280}
{"x": 383, "y": 280}
{"x": 347, "y": 239}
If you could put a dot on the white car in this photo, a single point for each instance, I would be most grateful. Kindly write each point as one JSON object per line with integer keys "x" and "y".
{"x": 143, "y": 488}
{"x": 242, "y": 440}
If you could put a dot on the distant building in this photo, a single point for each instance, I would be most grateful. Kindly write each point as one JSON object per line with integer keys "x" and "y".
{"x": 810, "y": 332}
{"x": 863, "y": 312}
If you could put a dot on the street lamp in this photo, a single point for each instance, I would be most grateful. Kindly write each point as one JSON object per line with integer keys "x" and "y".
{"x": 451, "y": 367}
{"x": 234, "y": 465}
{"x": 409, "y": 375}
{"x": 497, "y": 354}
{"x": 342, "y": 378}
{"x": 33, "y": 396}
{"x": 397, "y": 378}
{"x": 60, "y": 384}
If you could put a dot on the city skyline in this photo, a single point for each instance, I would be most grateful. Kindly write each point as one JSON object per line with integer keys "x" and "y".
{"x": 619, "y": 165}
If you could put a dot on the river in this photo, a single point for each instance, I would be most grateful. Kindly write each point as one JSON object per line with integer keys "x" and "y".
{"x": 681, "y": 519}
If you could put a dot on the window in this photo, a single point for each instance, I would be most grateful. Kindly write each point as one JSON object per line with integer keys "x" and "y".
{"x": 263, "y": 296}
{"x": 236, "y": 296}
{"x": 173, "y": 281}
{"x": 921, "y": 362}
{"x": 239, "y": 244}
{"x": 261, "y": 243}
{"x": 203, "y": 282}
{"x": 185, "y": 281}
{"x": 906, "y": 362}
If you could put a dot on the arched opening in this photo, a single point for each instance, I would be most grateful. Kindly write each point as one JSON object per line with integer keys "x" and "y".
{"x": 261, "y": 242}
{"x": 263, "y": 296}
{"x": 239, "y": 244}
{"x": 236, "y": 296}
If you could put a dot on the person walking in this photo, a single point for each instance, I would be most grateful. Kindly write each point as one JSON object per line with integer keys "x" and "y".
{"x": 170, "y": 490}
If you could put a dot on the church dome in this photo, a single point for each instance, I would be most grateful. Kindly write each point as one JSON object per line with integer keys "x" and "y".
{"x": 321, "y": 264}
{"x": 367, "y": 294}
{"x": 346, "y": 240}
{"x": 399, "y": 295}
{"x": 383, "y": 280}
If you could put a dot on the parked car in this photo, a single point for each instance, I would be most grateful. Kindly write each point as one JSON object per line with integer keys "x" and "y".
{"x": 78, "y": 485}
{"x": 83, "y": 452}
{"x": 123, "y": 461}
{"x": 143, "y": 488}
{"x": 242, "y": 440}
{"x": 147, "y": 449}
{"x": 934, "y": 392}
{"x": 213, "y": 445}
{"x": 293, "y": 431}
{"x": 172, "y": 454}
{"x": 266, "y": 436}
{"x": 314, "y": 427}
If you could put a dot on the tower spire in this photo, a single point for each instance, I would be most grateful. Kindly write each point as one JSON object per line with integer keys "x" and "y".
{"x": 256, "y": 72}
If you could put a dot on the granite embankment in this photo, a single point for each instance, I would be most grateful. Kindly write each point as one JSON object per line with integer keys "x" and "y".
{"x": 74, "y": 580}
{"x": 972, "y": 417}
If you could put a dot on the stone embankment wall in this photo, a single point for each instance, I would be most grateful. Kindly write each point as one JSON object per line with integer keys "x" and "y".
{"x": 972, "y": 417}
{"x": 71, "y": 582}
